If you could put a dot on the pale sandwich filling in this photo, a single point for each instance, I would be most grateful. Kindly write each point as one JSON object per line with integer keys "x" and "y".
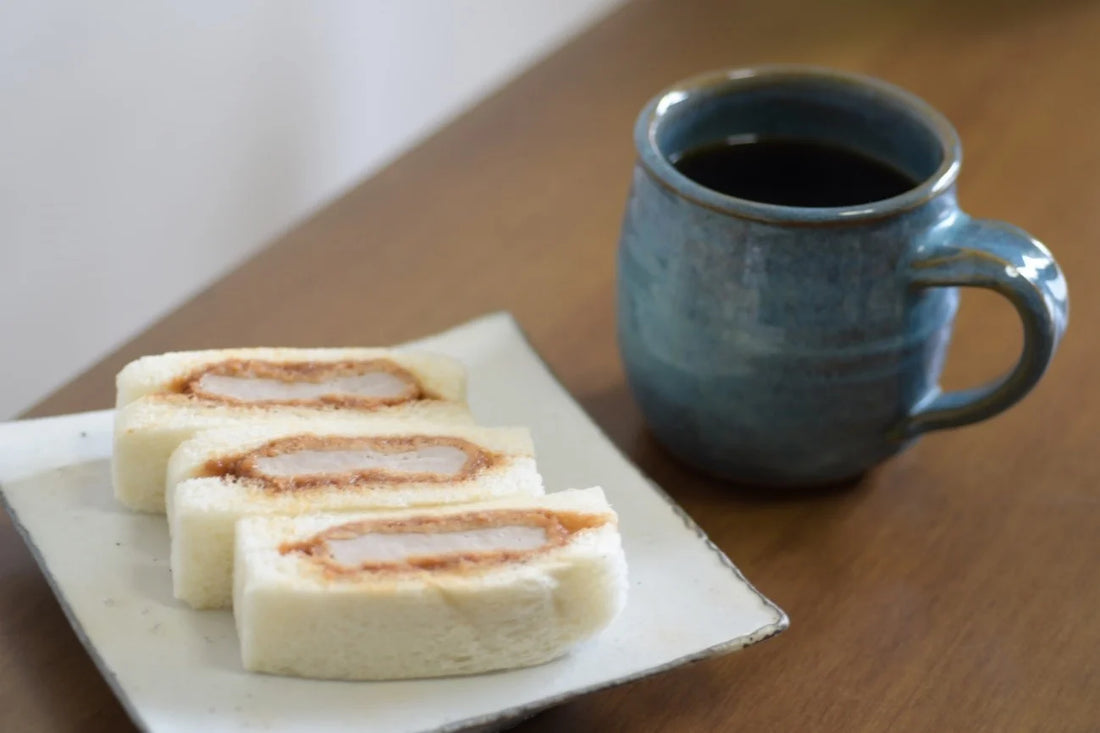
{"x": 446, "y": 460}
{"x": 386, "y": 547}
{"x": 375, "y": 385}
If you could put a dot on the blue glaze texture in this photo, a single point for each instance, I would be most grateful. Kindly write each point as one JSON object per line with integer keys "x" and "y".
{"x": 797, "y": 346}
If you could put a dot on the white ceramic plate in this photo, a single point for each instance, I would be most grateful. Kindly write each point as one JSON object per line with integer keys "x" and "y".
{"x": 179, "y": 670}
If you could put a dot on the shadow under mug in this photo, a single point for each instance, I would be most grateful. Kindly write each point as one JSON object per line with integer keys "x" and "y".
{"x": 788, "y": 346}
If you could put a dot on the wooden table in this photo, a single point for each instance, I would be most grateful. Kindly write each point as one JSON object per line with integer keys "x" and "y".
{"x": 956, "y": 589}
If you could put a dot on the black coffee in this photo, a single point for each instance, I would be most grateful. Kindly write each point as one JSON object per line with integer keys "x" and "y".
{"x": 793, "y": 172}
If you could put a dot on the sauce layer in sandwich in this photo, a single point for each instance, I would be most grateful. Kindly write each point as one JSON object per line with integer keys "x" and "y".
{"x": 304, "y": 461}
{"x": 452, "y": 541}
{"x": 349, "y": 383}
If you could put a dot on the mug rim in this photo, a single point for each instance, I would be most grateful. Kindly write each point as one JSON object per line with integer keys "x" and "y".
{"x": 662, "y": 171}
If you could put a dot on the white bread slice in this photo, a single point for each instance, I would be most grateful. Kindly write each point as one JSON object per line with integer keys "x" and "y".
{"x": 148, "y": 429}
{"x": 203, "y": 510}
{"x": 440, "y": 375}
{"x": 297, "y": 617}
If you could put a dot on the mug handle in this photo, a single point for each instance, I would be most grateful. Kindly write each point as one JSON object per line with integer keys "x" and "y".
{"x": 1003, "y": 258}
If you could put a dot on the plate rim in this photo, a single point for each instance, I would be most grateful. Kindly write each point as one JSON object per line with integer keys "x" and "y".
{"x": 97, "y": 659}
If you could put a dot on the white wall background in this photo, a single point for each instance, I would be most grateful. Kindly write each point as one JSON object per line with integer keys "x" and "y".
{"x": 147, "y": 147}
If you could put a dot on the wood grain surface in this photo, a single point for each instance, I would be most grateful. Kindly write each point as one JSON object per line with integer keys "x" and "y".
{"x": 955, "y": 589}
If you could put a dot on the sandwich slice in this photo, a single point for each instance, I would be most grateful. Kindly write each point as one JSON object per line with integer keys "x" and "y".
{"x": 427, "y": 592}
{"x": 220, "y": 476}
{"x": 163, "y": 400}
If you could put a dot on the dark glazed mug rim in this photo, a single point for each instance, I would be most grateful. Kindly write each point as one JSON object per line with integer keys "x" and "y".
{"x": 654, "y": 161}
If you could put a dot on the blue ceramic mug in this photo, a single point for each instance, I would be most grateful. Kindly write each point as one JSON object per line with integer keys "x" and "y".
{"x": 786, "y": 345}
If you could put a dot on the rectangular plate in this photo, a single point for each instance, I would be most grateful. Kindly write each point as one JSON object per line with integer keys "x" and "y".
{"x": 178, "y": 670}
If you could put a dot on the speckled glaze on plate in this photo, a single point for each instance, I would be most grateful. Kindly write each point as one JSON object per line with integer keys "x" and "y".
{"x": 791, "y": 346}
{"x": 177, "y": 670}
